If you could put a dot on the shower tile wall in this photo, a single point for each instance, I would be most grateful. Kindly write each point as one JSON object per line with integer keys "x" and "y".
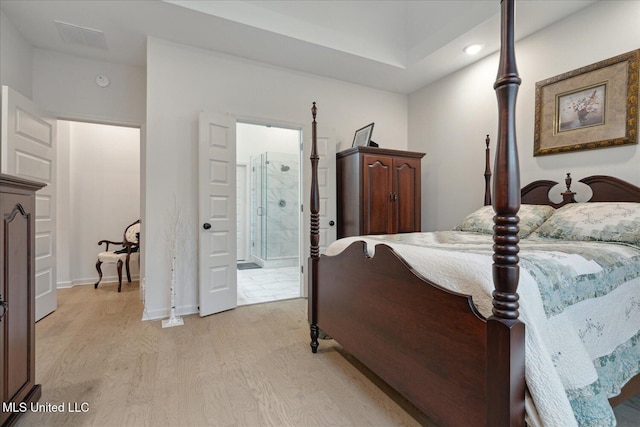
{"x": 275, "y": 209}
{"x": 282, "y": 206}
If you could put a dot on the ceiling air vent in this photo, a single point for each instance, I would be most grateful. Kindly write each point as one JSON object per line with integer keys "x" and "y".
{"x": 74, "y": 34}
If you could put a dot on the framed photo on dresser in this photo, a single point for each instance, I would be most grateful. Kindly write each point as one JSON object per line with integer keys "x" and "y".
{"x": 363, "y": 136}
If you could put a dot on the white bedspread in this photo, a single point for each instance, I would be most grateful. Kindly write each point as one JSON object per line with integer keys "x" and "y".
{"x": 580, "y": 302}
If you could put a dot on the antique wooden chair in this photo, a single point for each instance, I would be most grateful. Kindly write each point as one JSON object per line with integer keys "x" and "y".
{"x": 130, "y": 247}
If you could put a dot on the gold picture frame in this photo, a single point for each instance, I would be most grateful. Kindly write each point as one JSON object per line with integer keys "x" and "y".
{"x": 592, "y": 107}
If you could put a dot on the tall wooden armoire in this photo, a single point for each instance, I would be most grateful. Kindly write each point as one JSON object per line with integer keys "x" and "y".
{"x": 17, "y": 296}
{"x": 379, "y": 191}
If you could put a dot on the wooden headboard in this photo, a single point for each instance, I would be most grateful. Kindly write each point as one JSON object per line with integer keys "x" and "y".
{"x": 603, "y": 188}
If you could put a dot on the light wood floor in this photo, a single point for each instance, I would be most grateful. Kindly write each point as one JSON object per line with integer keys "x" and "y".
{"x": 246, "y": 367}
{"x": 251, "y": 366}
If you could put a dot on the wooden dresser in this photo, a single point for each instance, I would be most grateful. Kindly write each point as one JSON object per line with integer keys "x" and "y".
{"x": 17, "y": 293}
{"x": 378, "y": 191}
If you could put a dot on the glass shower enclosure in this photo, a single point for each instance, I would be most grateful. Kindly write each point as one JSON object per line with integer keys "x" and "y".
{"x": 275, "y": 209}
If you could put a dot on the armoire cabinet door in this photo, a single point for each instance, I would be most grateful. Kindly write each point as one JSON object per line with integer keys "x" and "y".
{"x": 17, "y": 288}
{"x": 377, "y": 181}
{"x": 406, "y": 187}
{"x": 17, "y": 293}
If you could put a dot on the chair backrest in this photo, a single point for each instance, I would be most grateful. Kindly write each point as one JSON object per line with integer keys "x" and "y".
{"x": 132, "y": 233}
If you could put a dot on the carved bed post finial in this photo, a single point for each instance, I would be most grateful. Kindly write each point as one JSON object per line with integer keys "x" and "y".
{"x": 568, "y": 196}
{"x": 314, "y": 234}
{"x": 505, "y": 333}
{"x": 487, "y": 173}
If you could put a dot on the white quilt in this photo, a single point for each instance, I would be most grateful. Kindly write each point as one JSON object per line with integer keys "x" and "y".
{"x": 580, "y": 302}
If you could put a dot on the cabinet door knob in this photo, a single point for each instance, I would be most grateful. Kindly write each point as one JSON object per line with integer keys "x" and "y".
{"x": 206, "y": 226}
{"x": 332, "y": 223}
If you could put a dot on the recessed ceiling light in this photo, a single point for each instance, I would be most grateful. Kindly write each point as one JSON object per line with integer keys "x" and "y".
{"x": 472, "y": 49}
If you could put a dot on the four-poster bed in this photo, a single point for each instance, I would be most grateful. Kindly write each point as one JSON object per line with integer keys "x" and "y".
{"x": 459, "y": 362}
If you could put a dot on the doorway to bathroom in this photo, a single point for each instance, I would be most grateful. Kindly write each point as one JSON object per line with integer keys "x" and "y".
{"x": 268, "y": 212}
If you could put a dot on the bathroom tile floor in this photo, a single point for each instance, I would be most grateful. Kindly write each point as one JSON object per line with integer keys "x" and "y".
{"x": 268, "y": 284}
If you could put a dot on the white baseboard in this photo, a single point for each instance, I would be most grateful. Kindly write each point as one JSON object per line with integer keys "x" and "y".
{"x": 92, "y": 281}
{"x": 163, "y": 313}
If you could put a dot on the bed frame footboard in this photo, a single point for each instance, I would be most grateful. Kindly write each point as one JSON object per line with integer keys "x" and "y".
{"x": 426, "y": 342}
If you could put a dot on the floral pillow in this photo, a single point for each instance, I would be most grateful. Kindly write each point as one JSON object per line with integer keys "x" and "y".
{"x": 531, "y": 217}
{"x": 599, "y": 221}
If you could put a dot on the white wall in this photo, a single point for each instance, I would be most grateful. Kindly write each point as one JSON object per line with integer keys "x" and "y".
{"x": 181, "y": 82}
{"x": 65, "y": 85}
{"x": 98, "y": 196}
{"x": 16, "y": 64}
{"x": 450, "y": 118}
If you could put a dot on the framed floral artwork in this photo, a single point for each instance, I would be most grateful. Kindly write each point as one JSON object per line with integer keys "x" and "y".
{"x": 581, "y": 108}
{"x": 592, "y": 107}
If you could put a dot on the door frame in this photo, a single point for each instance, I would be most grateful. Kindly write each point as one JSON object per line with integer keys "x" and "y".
{"x": 245, "y": 196}
{"x": 304, "y": 129}
{"x": 142, "y": 139}
{"x": 143, "y": 188}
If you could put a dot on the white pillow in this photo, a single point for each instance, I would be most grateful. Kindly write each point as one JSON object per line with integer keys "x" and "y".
{"x": 598, "y": 221}
{"x": 531, "y": 217}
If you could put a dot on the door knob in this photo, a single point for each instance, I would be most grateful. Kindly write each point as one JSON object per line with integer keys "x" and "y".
{"x": 206, "y": 226}
{"x": 332, "y": 223}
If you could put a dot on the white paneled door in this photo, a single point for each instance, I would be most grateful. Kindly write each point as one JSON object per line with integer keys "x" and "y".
{"x": 28, "y": 151}
{"x": 327, "y": 188}
{"x": 217, "y": 214}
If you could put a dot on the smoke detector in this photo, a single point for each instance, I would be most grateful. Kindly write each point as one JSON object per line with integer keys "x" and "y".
{"x": 102, "y": 81}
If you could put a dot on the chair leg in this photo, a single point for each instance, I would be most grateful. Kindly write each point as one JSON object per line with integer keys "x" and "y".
{"x": 128, "y": 272}
{"x": 119, "y": 275}
{"x": 98, "y": 264}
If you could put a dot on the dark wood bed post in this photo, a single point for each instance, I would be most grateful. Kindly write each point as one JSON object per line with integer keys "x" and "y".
{"x": 487, "y": 173}
{"x": 505, "y": 333}
{"x": 314, "y": 235}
